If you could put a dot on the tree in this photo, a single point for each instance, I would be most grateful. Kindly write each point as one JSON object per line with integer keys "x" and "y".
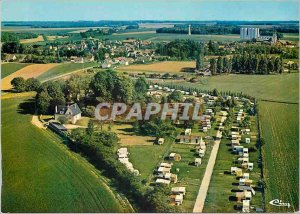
{"x": 200, "y": 61}
{"x": 220, "y": 65}
{"x": 90, "y": 128}
{"x": 123, "y": 90}
{"x": 175, "y": 96}
{"x": 215, "y": 92}
{"x": 213, "y": 66}
{"x": 62, "y": 119}
{"x": 19, "y": 84}
{"x": 42, "y": 102}
{"x": 140, "y": 88}
{"x": 32, "y": 84}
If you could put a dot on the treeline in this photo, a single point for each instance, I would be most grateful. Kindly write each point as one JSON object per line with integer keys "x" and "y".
{"x": 214, "y": 92}
{"x": 246, "y": 64}
{"x": 225, "y": 29}
{"x": 100, "y": 148}
{"x": 21, "y": 85}
{"x": 97, "y": 32}
{"x": 201, "y": 29}
{"x": 90, "y": 90}
{"x": 15, "y": 37}
{"x": 181, "y": 49}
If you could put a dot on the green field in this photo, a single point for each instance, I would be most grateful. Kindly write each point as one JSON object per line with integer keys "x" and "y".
{"x": 272, "y": 87}
{"x": 64, "y": 69}
{"x": 40, "y": 174}
{"x": 280, "y": 130}
{"x": 156, "y": 37}
{"x": 291, "y": 36}
{"x": 9, "y": 68}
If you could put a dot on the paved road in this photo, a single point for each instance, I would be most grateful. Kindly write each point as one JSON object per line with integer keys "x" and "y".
{"x": 199, "y": 204}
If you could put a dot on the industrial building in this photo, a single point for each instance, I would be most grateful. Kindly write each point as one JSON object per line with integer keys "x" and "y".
{"x": 249, "y": 33}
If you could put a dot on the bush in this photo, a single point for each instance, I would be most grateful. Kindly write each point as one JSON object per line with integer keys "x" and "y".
{"x": 19, "y": 84}
{"x": 88, "y": 111}
{"x": 63, "y": 119}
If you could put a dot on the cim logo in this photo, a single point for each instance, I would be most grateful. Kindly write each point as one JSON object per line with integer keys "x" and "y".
{"x": 279, "y": 203}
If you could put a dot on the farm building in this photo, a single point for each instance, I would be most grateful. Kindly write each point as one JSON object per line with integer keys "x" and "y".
{"x": 160, "y": 141}
{"x": 197, "y": 161}
{"x": 245, "y": 195}
{"x": 246, "y": 206}
{"x": 71, "y": 112}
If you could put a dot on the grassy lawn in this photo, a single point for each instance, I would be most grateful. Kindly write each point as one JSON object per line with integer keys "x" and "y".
{"x": 40, "y": 174}
{"x": 64, "y": 69}
{"x": 9, "y": 68}
{"x": 280, "y": 130}
{"x": 146, "y": 158}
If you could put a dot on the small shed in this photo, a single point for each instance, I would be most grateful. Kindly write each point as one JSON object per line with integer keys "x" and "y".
{"x": 246, "y": 206}
{"x": 245, "y": 195}
{"x": 179, "y": 199}
{"x": 236, "y": 171}
{"x": 162, "y": 181}
{"x": 172, "y": 156}
{"x": 247, "y": 140}
{"x": 197, "y": 161}
{"x": 160, "y": 141}
{"x": 188, "y": 132}
{"x": 178, "y": 190}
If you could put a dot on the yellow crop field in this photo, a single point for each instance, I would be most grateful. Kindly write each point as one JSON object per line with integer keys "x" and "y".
{"x": 162, "y": 67}
{"x": 38, "y": 39}
{"x": 27, "y": 72}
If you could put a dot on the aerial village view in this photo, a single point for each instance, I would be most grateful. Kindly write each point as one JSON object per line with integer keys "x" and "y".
{"x": 150, "y": 106}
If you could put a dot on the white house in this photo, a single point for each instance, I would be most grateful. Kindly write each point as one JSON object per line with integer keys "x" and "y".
{"x": 71, "y": 112}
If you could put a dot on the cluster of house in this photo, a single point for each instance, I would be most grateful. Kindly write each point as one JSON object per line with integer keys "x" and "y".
{"x": 246, "y": 192}
{"x": 164, "y": 175}
{"x": 205, "y": 122}
{"x": 123, "y": 158}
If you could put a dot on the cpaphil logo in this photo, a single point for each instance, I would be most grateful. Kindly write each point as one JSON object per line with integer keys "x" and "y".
{"x": 279, "y": 203}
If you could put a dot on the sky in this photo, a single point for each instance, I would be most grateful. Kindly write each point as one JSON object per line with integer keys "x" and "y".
{"x": 186, "y": 10}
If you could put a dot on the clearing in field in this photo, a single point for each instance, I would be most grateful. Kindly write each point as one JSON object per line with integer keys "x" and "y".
{"x": 163, "y": 67}
{"x": 29, "y": 71}
{"x": 9, "y": 68}
{"x": 40, "y": 174}
{"x": 280, "y": 131}
{"x": 40, "y": 38}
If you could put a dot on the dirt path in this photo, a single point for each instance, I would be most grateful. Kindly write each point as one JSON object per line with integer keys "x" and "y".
{"x": 200, "y": 200}
{"x": 35, "y": 121}
{"x": 27, "y": 72}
